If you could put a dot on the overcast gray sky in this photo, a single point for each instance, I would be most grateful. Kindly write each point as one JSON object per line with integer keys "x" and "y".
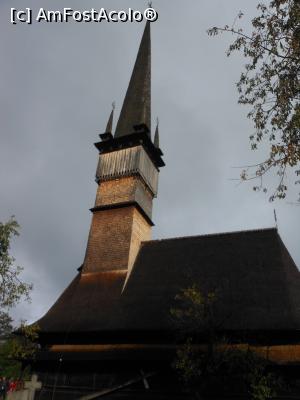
{"x": 57, "y": 83}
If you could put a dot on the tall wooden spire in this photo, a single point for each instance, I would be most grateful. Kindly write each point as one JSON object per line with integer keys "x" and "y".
{"x": 136, "y": 109}
{"x": 127, "y": 177}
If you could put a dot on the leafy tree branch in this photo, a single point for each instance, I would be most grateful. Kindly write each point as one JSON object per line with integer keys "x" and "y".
{"x": 270, "y": 86}
{"x": 215, "y": 367}
{"x": 12, "y": 288}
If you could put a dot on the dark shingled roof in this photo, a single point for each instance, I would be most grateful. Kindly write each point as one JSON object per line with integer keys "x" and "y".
{"x": 258, "y": 282}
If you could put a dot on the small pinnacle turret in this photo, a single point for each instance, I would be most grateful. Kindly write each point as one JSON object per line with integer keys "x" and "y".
{"x": 109, "y": 125}
{"x": 156, "y": 135}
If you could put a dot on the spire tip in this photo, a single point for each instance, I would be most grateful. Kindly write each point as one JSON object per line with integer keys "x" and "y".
{"x": 136, "y": 109}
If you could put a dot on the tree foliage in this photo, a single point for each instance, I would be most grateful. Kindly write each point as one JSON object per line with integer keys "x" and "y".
{"x": 216, "y": 367}
{"x": 24, "y": 345}
{"x": 270, "y": 85}
{"x": 197, "y": 310}
{"x": 9, "y": 367}
{"x": 5, "y": 325}
{"x": 13, "y": 349}
{"x": 225, "y": 371}
{"x": 18, "y": 348}
{"x": 12, "y": 288}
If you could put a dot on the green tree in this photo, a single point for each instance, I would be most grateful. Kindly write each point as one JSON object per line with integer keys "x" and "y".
{"x": 270, "y": 85}
{"x": 18, "y": 348}
{"x": 12, "y": 288}
{"x": 5, "y": 325}
{"x": 8, "y": 366}
{"x": 212, "y": 366}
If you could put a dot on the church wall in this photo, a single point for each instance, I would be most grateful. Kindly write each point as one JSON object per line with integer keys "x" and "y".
{"x": 122, "y": 190}
{"x": 115, "y": 191}
{"x": 116, "y": 233}
{"x": 109, "y": 240}
{"x": 141, "y": 231}
{"x": 115, "y": 238}
{"x": 127, "y": 383}
{"x": 126, "y": 162}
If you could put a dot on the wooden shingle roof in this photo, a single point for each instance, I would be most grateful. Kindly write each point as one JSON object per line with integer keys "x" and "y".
{"x": 258, "y": 283}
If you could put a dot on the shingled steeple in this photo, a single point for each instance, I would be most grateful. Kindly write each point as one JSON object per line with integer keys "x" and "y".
{"x": 127, "y": 175}
{"x": 136, "y": 109}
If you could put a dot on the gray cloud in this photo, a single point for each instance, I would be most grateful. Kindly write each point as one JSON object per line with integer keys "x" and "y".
{"x": 57, "y": 84}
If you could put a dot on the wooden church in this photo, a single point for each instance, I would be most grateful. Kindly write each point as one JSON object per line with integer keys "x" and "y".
{"x": 110, "y": 334}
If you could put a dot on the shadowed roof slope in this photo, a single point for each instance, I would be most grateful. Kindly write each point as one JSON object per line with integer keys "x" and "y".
{"x": 252, "y": 272}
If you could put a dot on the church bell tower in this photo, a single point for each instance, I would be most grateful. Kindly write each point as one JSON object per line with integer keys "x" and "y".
{"x": 127, "y": 176}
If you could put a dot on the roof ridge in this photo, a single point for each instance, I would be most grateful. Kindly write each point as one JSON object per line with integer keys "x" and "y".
{"x": 247, "y": 231}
